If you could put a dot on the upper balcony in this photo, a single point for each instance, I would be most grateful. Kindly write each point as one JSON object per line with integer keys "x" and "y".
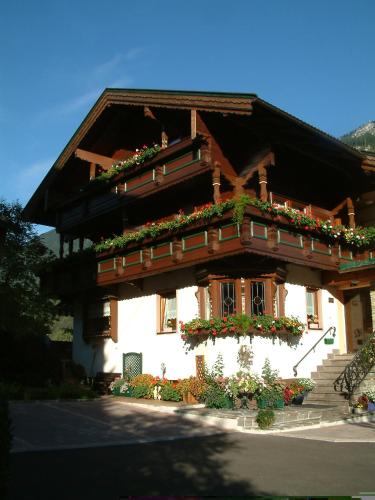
{"x": 172, "y": 165}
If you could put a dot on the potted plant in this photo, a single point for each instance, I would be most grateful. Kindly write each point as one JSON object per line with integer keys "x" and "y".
{"x": 271, "y": 396}
{"x": 370, "y": 394}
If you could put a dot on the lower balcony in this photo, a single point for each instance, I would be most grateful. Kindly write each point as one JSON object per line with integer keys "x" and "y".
{"x": 210, "y": 238}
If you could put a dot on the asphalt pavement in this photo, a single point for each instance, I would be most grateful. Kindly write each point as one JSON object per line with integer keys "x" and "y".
{"x": 108, "y": 450}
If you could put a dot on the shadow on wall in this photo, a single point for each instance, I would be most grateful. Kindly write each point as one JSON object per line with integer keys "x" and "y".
{"x": 192, "y": 464}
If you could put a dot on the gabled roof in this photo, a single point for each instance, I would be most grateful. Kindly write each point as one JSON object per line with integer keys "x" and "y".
{"x": 236, "y": 103}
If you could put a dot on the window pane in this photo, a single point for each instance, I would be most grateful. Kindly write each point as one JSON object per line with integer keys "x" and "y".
{"x": 257, "y": 297}
{"x": 310, "y": 304}
{"x": 228, "y": 298}
{"x": 168, "y": 306}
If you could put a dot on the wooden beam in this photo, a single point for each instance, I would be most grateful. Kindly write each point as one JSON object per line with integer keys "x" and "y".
{"x": 103, "y": 161}
{"x": 216, "y": 183}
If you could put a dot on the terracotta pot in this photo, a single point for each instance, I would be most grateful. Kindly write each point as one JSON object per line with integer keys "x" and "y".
{"x": 189, "y": 399}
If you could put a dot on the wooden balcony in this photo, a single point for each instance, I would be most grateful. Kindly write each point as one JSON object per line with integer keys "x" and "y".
{"x": 259, "y": 234}
{"x": 171, "y": 166}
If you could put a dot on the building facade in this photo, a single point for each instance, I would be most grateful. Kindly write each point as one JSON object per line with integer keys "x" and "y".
{"x": 208, "y": 206}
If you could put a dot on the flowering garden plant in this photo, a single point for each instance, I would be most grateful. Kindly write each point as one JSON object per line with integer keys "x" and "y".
{"x": 370, "y": 395}
{"x": 240, "y": 325}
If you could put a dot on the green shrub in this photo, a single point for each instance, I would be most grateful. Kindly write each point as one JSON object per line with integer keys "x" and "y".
{"x": 11, "y": 390}
{"x": 265, "y": 418}
{"x": 142, "y": 391}
{"x": 215, "y": 397}
{"x": 170, "y": 393}
{"x": 5, "y": 442}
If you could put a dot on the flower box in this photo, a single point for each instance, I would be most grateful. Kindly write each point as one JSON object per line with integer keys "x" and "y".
{"x": 329, "y": 341}
{"x": 189, "y": 399}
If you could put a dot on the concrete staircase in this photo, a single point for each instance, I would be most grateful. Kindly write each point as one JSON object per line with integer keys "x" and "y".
{"x": 325, "y": 376}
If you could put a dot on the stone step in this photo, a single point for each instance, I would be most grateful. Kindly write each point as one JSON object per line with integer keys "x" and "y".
{"x": 340, "y": 356}
{"x": 331, "y": 369}
{"x": 335, "y": 362}
{"x": 327, "y": 397}
{"x": 326, "y": 376}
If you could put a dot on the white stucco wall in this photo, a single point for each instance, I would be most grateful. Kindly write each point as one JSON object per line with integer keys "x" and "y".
{"x": 137, "y": 332}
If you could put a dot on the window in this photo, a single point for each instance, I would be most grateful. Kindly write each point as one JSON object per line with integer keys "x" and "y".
{"x": 167, "y": 312}
{"x": 101, "y": 318}
{"x": 313, "y": 308}
{"x": 255, "y": 297}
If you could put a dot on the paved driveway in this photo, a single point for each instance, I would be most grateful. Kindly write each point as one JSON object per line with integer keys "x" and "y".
{"x": 54, "y": 425}
{"x": 106, "y": 450}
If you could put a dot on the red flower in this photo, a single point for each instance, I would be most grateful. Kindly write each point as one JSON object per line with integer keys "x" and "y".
{"x": 225, "y": 330}
{"x": 225, "y": 319}
{"x": 232, "y": 329}
{"x": 273, "y": 329}
{"x": 214, "y": 332}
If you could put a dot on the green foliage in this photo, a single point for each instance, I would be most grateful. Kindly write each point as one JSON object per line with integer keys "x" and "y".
{"x": 142, "y": 391}
{"x": 62, "y": 329}
{"x": 215, "y": 397}
{"x": 217, "y": 369}
{"x": 25, "y": 309}
{"x": 5, "y": 443}
{"x": 170, "y": 393}
{"x": 11, "y": 391}
{"x": 269, "y": 376}
{"x": 265, "y": 418}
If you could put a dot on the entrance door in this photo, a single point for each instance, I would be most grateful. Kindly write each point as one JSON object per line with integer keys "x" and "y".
{"x": 357, "y": 317}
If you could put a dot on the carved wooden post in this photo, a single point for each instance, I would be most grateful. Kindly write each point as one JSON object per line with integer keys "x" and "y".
{"x": 245, "y": 231}
{"x": 81, "y": 243}
{"x": 164, "y": 139}
{"x": 176, "y": 250}
{"x": 213, "y": 239}
{"x": 193, "y": 117}
{"x": 351, "y": 212}
{"x": 92, "y": 170}
{"x": 262, "y": 172}
{"x": 158, "y": 176}
{"x": 216, "y": 183}
{"x": 146, "y": 258}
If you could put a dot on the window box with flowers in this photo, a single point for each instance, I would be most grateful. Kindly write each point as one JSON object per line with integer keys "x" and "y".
{"x": 240, "y": 325}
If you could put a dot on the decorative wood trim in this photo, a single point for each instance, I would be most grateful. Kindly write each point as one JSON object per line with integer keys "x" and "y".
{"x": 94, "y": 158}
{"x": 114, "y": 319}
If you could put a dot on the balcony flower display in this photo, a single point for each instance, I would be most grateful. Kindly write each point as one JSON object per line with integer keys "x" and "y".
{"x": 139, "y": 156}
{"x": 356, "y": 237}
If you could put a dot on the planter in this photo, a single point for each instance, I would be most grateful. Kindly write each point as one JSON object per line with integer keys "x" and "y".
{"x": 329, "y": 341}
{"x": 279, "y": 404}
{"x": 298, "y": 400}
{"x": 189, "y": 399}
{"x": 358, "y": 411}
{"x": 370, "y": 406}
{"x": 262, "y": 404}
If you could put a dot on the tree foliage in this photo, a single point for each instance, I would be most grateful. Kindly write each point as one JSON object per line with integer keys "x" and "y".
{"x": 24, "y": 308}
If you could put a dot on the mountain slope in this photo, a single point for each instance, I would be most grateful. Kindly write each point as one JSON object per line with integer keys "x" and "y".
{"x": 362, "y": 138}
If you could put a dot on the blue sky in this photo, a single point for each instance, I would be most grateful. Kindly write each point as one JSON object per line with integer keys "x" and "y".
{"x": 315, "y": 60}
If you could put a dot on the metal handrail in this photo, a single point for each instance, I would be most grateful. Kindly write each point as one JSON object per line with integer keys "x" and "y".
{"x": 353, "y": 374}
{"x": 331, "y": 328}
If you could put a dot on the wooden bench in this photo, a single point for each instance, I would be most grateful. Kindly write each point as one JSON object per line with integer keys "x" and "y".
{"x": 103, "y": 380}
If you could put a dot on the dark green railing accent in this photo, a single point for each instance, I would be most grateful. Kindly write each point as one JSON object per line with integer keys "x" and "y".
{"x": 353, "y": 374}
{"x": 356, "y": 264}
{"x": 332, "y": 330}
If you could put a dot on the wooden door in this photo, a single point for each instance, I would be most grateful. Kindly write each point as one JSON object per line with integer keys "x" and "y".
{"x": 357, "y": 317}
